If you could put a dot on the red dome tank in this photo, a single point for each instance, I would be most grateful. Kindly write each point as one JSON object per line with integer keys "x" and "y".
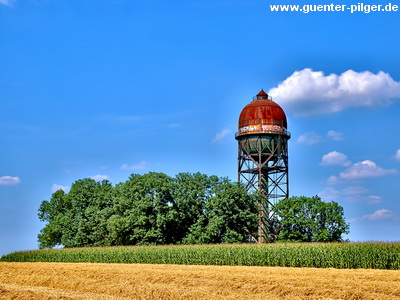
{"x": 262, "y": 115}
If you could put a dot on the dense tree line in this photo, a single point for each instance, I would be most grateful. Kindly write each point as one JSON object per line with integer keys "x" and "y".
{"x": 186, "y": 209}
{"x": 149, "y": 209}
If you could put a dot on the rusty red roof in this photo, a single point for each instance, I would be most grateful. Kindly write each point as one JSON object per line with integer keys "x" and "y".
{"x": 262, "y": 93}
{"x": 262, "y": 112}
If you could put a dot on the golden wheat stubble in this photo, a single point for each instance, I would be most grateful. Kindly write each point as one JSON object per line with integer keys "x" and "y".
{"x": 141, "y": 281}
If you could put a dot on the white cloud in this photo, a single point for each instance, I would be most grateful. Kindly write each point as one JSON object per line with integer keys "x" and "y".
{"x": 329, "y": 194}
{"x": 352, "y": 220}
{"x": 333, "y": 180}
{"x": 312, "y": 137}
{"x": 381, "y": 214}
{"x": 57, "y": 187}
{"x": 373, "y": 199}
{"x": 100, "y": 177}
{"x": 351, "y": 194}
{"x": 365, "y": 169}
{"x": 307, "y": 92}
{"x": 335, "y": 159}
{"x": 309, "y": 138}
{"x": 221, "y": 135}
{"x": 140, "y": 166}
{"x": 354, "y": 190}
{"x": 9, "y": 180}
{"x": 397, "y": 156}
{"x": 174, "y": 125}
{"x": 122, "y": 119}
{"x": 7, "y": 2}
{"x": 334, "y": 135}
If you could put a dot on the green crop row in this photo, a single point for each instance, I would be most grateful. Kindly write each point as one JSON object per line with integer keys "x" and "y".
{"x": 314, "y": 255}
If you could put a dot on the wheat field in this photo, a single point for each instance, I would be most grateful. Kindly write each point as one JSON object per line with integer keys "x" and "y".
{"x": 150, "y": 281}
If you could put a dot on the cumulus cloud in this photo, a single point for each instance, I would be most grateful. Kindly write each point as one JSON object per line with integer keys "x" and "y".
{"x": 335, "y": 159}
{"x": 100, "y": 177}
{"x": 354, "y": 190}
{"x": 329, "y": 194}
{"x": 55, "y": 187}
{"x": 9, "y": 180}
{"x": 309, "y": 138}
{"x": 365, "y": 169}
{"x": 221, "y": 135}
{"x": 312, "y": 137}
{"x": 308, "y": 92}
{"x": 7, "y": 2}
{"x": 140, "y": 166}
{"x": 353, "y": 194}
{"x": 333, "y": 180}
{"x": 334, "y": 135}
{"x": 397, "y": 156}
{"x": 381, "y": 214}
{"x": 373, "y": 199}
{"x": 174, "y": 125}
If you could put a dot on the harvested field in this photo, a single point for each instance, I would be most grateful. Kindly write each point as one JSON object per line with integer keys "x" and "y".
{"x": 141, "y": 281}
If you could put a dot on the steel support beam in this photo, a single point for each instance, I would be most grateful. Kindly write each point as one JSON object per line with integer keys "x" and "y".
{"x": 263, "y": 168}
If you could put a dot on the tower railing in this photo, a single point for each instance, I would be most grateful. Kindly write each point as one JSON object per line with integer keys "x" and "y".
{"x": 262, "y": 131}
{"x": 266, "y": 97}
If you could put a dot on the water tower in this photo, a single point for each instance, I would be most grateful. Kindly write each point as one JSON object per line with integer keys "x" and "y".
{"x": 263, "y": 158}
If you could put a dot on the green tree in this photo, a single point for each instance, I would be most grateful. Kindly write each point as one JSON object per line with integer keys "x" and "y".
{"x": 90, "y": 203}
{"x": 53, "y": 213}
{"x": 229, "y": 216}
{"x": 307, "y": 219}
{"x": 191, "y": 193}
{"x": 143, "y": 211}
{"x": 232, "y": 214}
{"x": 148, "y": 209}
{"x": 77, "y": 218}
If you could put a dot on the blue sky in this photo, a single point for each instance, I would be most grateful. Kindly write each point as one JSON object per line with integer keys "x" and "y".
{"x": 105, "y": 88}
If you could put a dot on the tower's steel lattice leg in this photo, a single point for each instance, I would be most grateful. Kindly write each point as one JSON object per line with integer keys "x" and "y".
{"x": 263, "y": 168}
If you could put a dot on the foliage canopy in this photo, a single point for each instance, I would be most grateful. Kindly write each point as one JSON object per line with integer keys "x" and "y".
{"x": 155, "y": 209}
{"x": 304, "y": 219}
{"x": 149, "y": 209}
